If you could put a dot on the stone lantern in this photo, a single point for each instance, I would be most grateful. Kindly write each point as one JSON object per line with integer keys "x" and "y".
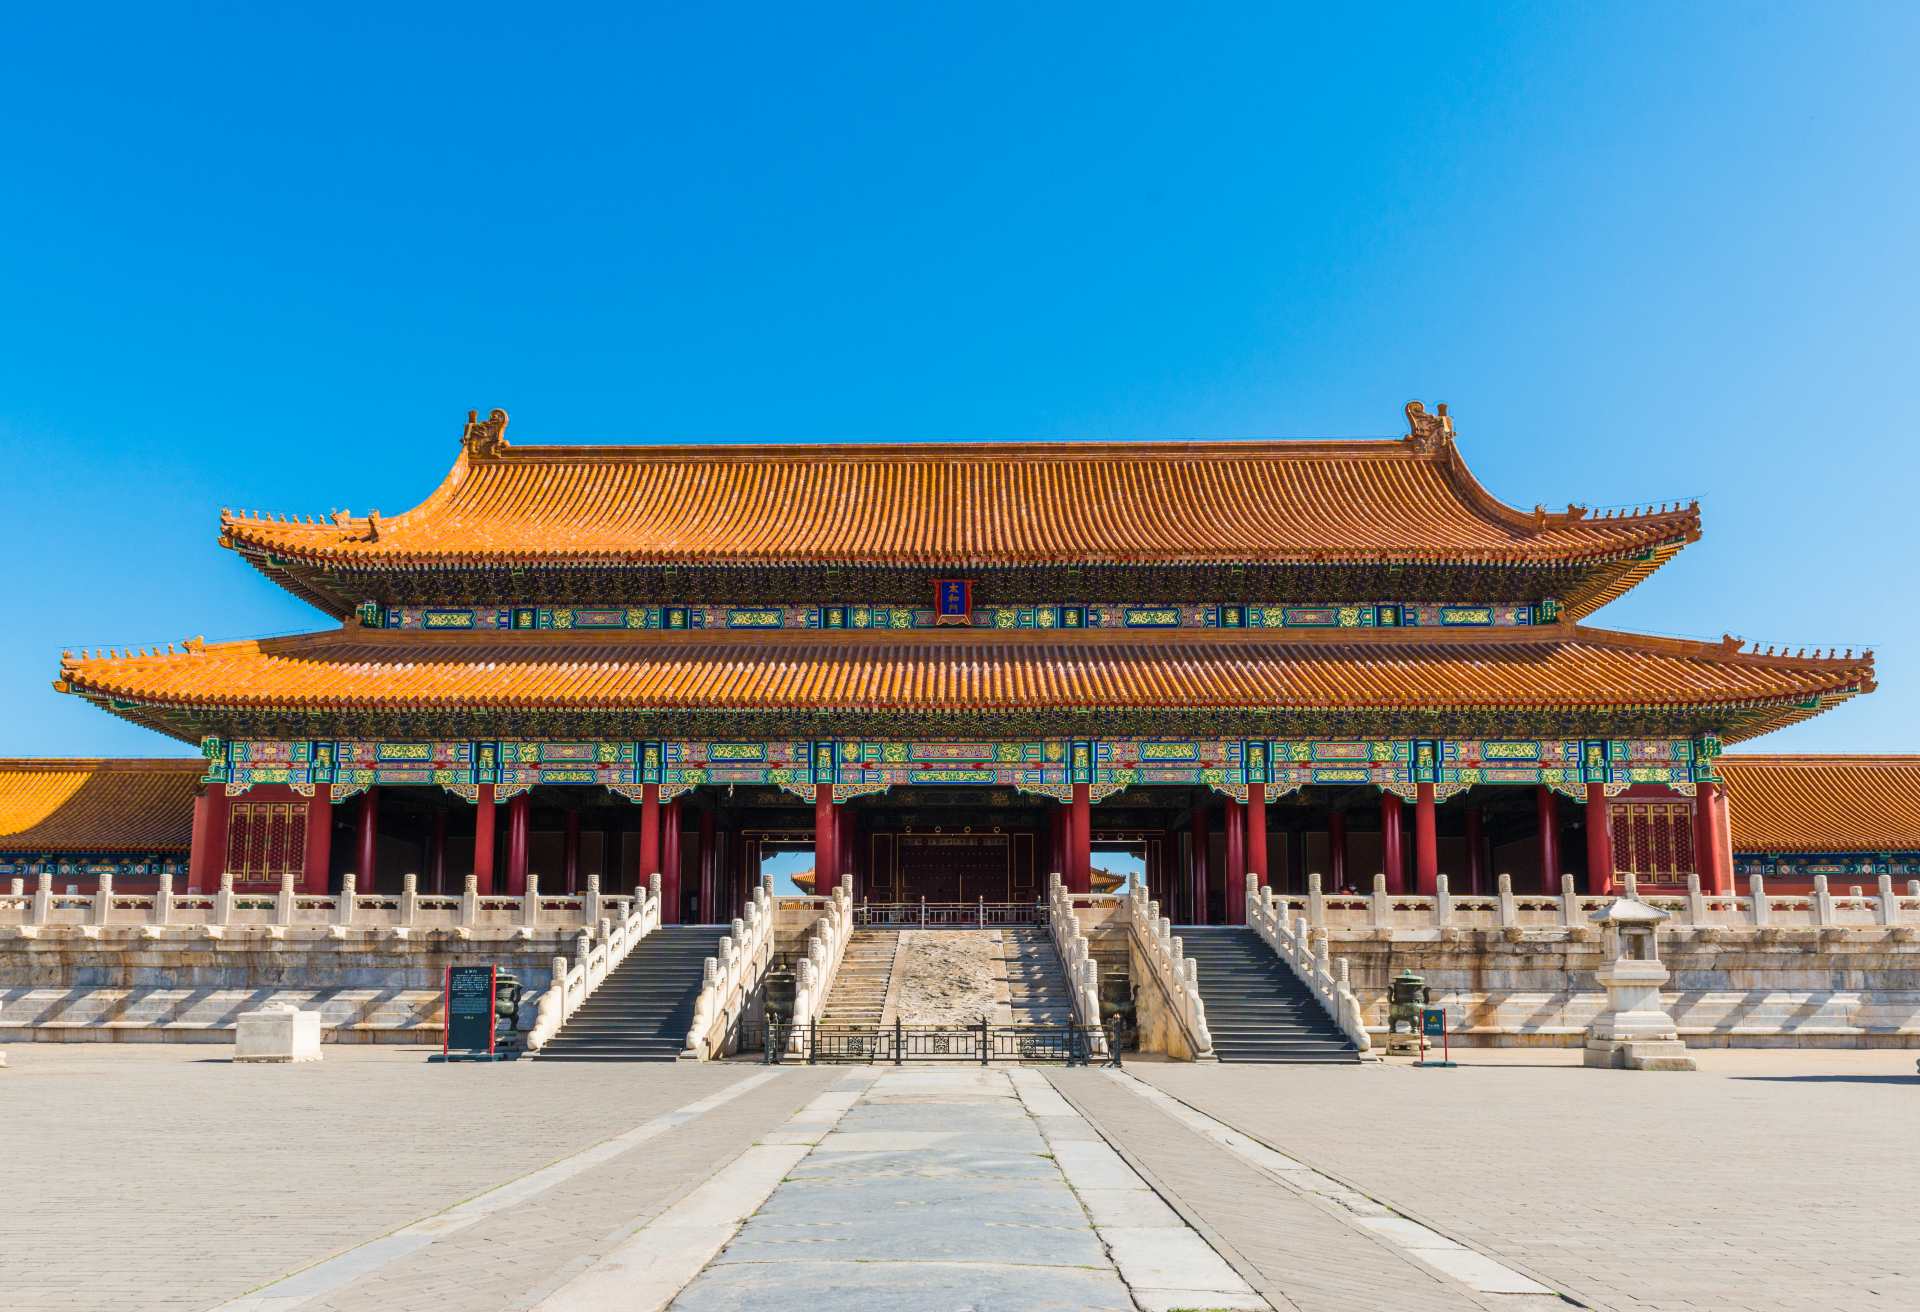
{"x": 1634, "y": 1033}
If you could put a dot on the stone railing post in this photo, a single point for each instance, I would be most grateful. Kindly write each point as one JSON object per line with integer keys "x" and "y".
{"x": 42, "y": 898}
{"x": 1509, "y": 914}
{"x": 1569, "y": 903}
{"x": 223, "y": 900}
{"x": 409, "y": 898}
{"x": 102, "y": 907}
{"x": 653, "y": 895}
{"x": 1913, "y": 888}
{"x": 17, "y": 886}
{"x": 283, "y": 900}
{"x": 1316, "y": 901}
{"x": 1821, "y": 903}
{"x": 470, "y": 902}
{"x": 590, "y": 901}
{"x": 163, "y": 899}
{"x": 1761, "y": 909}
{"x": 345, "y": 904}
{"x": 1382, "y": 908}
{"x": 1696, "y": 901}
{"x": 1889, "y": 908}
{"x": 530, "y": 903}
{"x": 559, "y": 969}
{"x": 1442, "y": 902}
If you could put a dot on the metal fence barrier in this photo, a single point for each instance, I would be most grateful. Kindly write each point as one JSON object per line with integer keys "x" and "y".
{"x": 977, "y": 914}
{"x": 981, "y": 1044}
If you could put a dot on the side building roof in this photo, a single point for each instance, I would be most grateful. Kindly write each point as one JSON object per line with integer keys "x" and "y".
{"x": 962, "y": 506}
{"x": 1345, "y": 681}
{"x": 1823, "y": 803}
{"x": 52, "y": 805}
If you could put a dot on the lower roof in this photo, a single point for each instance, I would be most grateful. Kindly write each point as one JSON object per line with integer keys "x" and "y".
{"x": 1823, "y": 803}
{"x": 484, "y": 677}
{"x": 98, "y": 805}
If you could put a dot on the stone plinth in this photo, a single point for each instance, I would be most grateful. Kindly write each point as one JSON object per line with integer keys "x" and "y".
{"x": 1635, "y": 1033}
{"x": 277, "y": 1033}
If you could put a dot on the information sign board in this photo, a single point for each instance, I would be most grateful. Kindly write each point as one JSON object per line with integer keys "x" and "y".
{"x": 469, "y": 1011}
{"x": 1433, "y": 1022}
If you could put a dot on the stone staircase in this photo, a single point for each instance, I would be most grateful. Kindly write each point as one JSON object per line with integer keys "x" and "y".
{"x": 858, "y": 998}
{"x": 1257, "y": 1008}
{"x": 1037, "y": 992}
{"x": 642, "y": 1010}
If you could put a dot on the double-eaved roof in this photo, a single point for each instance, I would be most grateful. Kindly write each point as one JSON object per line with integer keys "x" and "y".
{"x": 1410, "y": 506}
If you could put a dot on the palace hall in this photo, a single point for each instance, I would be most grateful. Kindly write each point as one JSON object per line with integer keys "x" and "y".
{"x": 944, "y": 671}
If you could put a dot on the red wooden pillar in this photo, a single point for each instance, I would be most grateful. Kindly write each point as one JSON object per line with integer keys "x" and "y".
{"x": 846, "y": 851}
{"x": 1426, "y": 842}
{"x": 823, "y": 835}
{"x": 317, "y": 849}
{"x": 517, "y": 813}
{"x": 209, "y": 850}
{"x": 1547, "y": 812}
{"x": 649, "y": 833}
{"x": 1257, "y": 834}
{"x": 367, "y": 849}
{"x": 1233, "y": 882}
{"x": 711, "y": 903}
{"x": 1393, "y": 855}
{"x": 670, "y": 891}
{"x": 483, "y": 839}
{"x": 1599, "y": 842}
{"x": 1713, "y": 853}
{"x": 1198, "y": 838}
{"x": 1336, "y": 852}
{"x": 570, "y": 854}
{"x": 1080, "y": 858}
{"x": 437, "y": 852}
{"x": 1476, "y": 853}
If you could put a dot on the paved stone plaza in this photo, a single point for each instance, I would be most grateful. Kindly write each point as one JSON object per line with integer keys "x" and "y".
{"x": 167, "y": 1177}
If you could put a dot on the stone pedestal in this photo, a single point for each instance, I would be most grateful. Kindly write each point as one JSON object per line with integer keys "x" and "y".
{"x": 277, "y": 1033}
{"x": 1635, "y": 1033}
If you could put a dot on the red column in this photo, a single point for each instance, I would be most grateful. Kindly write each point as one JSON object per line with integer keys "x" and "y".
{"x": 1336, "y": 852}
{"x": 517, "y": 813}
{"x": 1426, "y": 842}
{"x": 845, "y": 851}
{"x": 1198, "y": 838}
{"x": 1547, "y": 811}
{"x": 1233, "y": 883}
{"x": 1080, "y": 859}
{"x": 318, "y": 853}
{"x": 670, "y": 864}
{"x": 209, "y": 851}
{"x": 1476, "y": 854}
{"x": 649, "y": 833}
{"x": 437, "y": 853}
{"x": 1392, "y": 850}
{"x": 1713, "y": 853}
{"x": 1599, "y": 842}
{"x": 1257, "y": 834}
{"x": 483, "y": 839}
{"x": 823, "y": 835}
{"x": 570, "y": 854}
{"x": 710, "y": 899}
{"x": 1055, "y": 846}
{"x": 367, "y": 852}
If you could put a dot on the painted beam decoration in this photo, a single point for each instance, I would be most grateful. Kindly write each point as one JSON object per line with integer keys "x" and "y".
{"x": 80, "y": 865}
{"x": 1834, "y": 865}
{"x": 1050, "y": 766}
{"x": 954, "y": 605}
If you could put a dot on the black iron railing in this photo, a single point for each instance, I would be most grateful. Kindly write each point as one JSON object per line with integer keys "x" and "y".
{"x": 981, "y": 1044}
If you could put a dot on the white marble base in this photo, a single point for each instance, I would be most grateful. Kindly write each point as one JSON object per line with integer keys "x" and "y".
{"x": 277, "y": 1033}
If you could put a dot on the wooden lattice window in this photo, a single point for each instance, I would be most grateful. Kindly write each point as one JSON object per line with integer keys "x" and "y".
{"x": 1653, "y": 840}
{"x": 265, "y": 840}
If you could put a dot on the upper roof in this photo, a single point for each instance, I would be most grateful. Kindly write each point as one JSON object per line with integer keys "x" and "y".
{"x": 1349, "y": 673}
{"x": 1823, "y": 803}
{"x": 962, "y": 506}
{"x": 97, "y": 806}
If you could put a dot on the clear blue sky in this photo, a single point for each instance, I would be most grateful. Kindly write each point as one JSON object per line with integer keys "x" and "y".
{"x": 271, "y": 260}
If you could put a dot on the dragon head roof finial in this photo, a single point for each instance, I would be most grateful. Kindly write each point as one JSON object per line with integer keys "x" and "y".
{"x": 485, "y": 437}
{"x": 1428, "y": 432}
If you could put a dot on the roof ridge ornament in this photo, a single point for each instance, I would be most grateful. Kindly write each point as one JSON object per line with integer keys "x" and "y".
{"x": 485, "y": 437}
{"x": 1428, "y": 432}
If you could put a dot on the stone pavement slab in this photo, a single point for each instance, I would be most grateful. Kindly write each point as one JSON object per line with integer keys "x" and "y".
{"x": 1769, "y": 1179}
